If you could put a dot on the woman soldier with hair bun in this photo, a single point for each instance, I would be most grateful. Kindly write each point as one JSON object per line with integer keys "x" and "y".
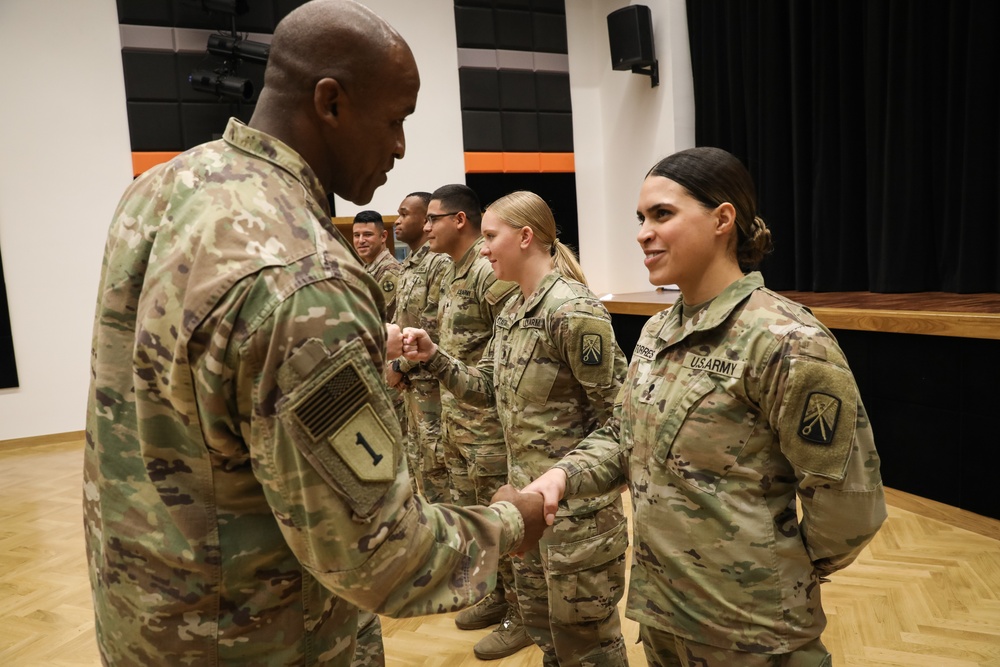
{"x": 737, "y": 403}
{"x": 553, "y": 368}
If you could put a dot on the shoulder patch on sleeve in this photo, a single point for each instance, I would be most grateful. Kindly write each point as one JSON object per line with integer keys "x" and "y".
{"x": 334, "y": 419}
{"x": 591, "y": 350}
{"x": 818, "y": 416}
{"x": 389, "y": 283}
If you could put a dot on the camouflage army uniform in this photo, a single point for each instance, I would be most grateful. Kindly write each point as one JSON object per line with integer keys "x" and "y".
{"x": 554, "y": 369}
{"x": 474, "y": 449}
{"x": 418, "y": 294}
{"x": 471, "y": 298}
{"x": 385, "y": 270}
{"x": 243, "y": 493}
{"x": 722, "y": 420}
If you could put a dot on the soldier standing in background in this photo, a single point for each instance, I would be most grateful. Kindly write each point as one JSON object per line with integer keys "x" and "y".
{"x": 471, "y": 298}
{"x": 553, "y": 370}
{"x": 370, "y": 236}
{"x": 739, "y": 409}
{"x": 243, "y": 491}
{"x": 418, "y": 294}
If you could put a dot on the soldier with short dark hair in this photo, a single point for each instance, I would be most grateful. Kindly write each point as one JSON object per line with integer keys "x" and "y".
{"x": 472, "y": 435}
{"x": 245, "y": 490}
{"x": 739, "y": 406}
{"x": 370, "y": 236}
{"x": 419, "y": 292}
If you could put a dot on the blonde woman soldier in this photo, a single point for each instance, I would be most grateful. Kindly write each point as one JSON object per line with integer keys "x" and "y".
{"x": 553, "y": 368}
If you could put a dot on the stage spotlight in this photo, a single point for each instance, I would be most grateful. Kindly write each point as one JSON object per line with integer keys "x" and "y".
{"x": 227, "y": 47}
{"x": 222, "y": 85}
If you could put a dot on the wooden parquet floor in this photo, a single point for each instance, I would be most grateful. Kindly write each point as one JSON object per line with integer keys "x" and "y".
{"x": 926, "y": 593}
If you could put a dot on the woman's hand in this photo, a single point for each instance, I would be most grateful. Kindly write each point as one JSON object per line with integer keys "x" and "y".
{"x": 552, "y": 486}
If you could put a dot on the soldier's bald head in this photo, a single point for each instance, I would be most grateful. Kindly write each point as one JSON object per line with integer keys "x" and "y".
{"x": 340, "y": 39}
{"x": 339, "y": 83}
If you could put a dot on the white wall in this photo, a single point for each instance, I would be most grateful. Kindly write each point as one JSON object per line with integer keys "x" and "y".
{"x": 64, "y": 163}
{"x": 621, "y": 127}
{"x": 66, "y": 160}
{"x": 434, "y": 147}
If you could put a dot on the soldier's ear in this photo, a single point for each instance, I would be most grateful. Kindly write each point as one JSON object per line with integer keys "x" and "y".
{"x": 526, "y": 235}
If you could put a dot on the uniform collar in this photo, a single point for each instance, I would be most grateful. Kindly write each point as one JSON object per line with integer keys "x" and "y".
{"x": 535, "y": 298}
{"x": 417, "y": 255}
{"x": 269, "y": 149}
{"x": 463, "y": 265}
{"x": 673, "y": 329}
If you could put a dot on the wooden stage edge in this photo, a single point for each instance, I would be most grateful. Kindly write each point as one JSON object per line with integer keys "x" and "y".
{"x": 927, "y": 313}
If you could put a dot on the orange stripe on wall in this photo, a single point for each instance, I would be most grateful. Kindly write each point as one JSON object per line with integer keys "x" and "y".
{"x": 510, "y": 163}
{"x": 143, "y": 161}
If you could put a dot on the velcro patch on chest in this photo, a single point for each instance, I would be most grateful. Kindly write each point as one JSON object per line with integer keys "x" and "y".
{"x": 818, "y": 416}
{"x": 717, "y": 365}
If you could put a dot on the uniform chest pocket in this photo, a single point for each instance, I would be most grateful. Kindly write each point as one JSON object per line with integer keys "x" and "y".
{"x": 703, "y": 434}
{"x": 533, "y": 366}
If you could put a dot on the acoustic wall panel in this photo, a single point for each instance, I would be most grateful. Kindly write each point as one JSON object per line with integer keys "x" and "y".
{"x": 154, "y": 126}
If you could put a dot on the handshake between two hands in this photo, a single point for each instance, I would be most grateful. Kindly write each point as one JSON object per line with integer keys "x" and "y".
{"x": 537, "y": 503}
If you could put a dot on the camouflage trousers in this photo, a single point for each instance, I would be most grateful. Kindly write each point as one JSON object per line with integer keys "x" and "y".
{"x": 475, "y": 473}
{"x": 667, "y": 650}
{"x": 569, "y": 588}
{"x": 424, "y": 451}
{"x": 369, "y": 651}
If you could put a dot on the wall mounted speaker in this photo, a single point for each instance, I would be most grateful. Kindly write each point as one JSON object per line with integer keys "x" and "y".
{"x": 630, "y": 34}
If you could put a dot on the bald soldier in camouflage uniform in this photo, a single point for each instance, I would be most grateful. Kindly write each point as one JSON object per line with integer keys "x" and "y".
{"x": 735, "y": 407}
{"x": 418, "y": 295}
{"x": 244, "y": 493}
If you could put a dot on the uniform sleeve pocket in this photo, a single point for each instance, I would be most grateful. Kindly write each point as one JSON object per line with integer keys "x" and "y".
{"x": 677, "y": 414}
{"x": 587, "y": 577}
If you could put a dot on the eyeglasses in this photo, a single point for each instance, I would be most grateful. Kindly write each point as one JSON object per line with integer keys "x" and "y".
{"x": 434, "y": 217}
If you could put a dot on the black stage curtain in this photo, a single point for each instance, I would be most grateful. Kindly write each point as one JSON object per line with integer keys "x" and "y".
{"x": 8, "y": 370}
{"x": 872, "y": 130}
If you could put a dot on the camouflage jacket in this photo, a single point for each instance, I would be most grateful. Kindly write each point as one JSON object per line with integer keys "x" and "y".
{"x": 471, "y": 299}
{"x": 243, "y": 488}
{"x": 385, "y": 270}
{"x": 418, "y": 296}
{"x": 553, "y": 369}
{"x": 722, "y": 421}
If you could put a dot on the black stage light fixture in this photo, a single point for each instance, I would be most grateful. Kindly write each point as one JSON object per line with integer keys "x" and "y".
{"x": 222, "y": 85}
{"x": 228, "y": 47}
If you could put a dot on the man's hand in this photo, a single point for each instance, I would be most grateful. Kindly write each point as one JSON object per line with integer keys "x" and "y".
{"x": 393, "y": 342}
{"x": 552, "y": 486}
{"x": 395, "y": 379}
{"x": 417, "y": 345}
{"x": 531, "y": 509}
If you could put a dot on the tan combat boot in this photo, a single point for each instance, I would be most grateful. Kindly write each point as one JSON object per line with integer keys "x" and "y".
{"x": 488, "y": 611}
{"x": 509, "y": 638}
